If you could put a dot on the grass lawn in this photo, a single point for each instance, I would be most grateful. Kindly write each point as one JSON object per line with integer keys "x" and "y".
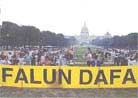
{"x": 80, "y": 53}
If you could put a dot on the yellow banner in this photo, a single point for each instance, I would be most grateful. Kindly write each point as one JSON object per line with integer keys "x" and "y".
{"x": 69, "y": 77}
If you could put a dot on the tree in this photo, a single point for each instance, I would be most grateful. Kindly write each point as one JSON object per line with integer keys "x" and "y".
{"x": 14, "y": 35}
{"x": 129, "y": 41}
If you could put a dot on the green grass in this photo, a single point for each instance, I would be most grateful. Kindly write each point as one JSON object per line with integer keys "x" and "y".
{"x": 80, "y": 53}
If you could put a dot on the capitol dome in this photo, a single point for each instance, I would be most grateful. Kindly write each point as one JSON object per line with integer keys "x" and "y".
{"x": 84, "y": 35}
{"x": 84, "y": 29}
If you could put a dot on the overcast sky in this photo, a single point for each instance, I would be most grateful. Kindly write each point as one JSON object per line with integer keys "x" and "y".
{"x": 119, "y": 17}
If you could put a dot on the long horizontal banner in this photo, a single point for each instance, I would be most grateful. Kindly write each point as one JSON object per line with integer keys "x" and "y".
{"x": 69, "y": 77}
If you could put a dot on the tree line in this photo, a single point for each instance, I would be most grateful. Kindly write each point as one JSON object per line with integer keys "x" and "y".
{"x": 129, "y": 41}
{"x": 13, "y": 35}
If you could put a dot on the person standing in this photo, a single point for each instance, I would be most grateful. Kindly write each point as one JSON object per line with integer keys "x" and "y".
{"x": 89, "y": 57}
{"x": 27, "y": 59}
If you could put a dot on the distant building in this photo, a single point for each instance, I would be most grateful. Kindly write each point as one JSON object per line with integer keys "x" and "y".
{"x": 85, "y": 38}
{"x": 99, "y": 37}
{"x": 107, "y": 35}
{"x": 92, "y": 37}
{"x": 84, "y": 35}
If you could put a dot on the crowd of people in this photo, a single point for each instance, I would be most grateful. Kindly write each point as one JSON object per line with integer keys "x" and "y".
{"x": 36, "y": 56}
{"x": 113, "y": 56}
{"x": 67, "y": 56}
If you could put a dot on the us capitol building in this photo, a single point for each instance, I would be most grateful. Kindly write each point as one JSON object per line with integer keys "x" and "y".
{"x": 85, "y": 38}
{"x": 84, "y": 35}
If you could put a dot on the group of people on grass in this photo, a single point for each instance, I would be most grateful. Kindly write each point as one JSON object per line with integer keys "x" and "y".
{"x": 36, "y": 56}
{"x": 66, "y": 56}
{"x": 112, "y": 55}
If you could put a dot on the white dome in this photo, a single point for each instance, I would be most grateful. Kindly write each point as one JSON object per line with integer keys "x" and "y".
{"x": 84, "y": 35}
{"x": 84, "y": 29}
